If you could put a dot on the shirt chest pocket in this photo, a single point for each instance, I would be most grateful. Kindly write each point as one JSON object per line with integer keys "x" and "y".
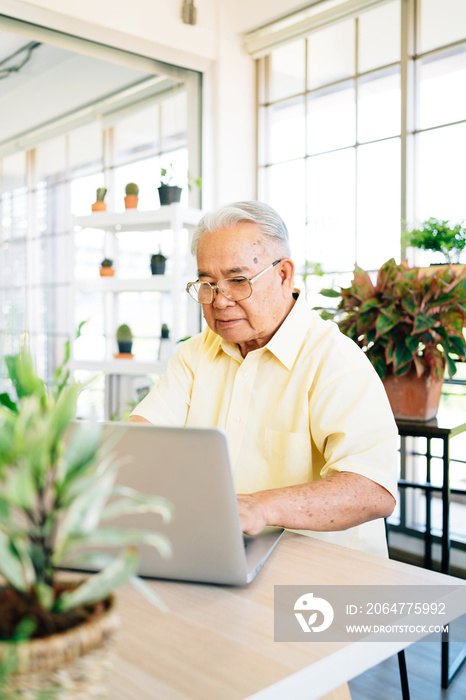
{"x": 287, "y": 457}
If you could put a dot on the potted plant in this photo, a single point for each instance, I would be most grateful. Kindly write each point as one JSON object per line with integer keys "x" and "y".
{"x": 157, "y": 263}
{"x": 168, "y": 193}
{"x": 106, "y": 268}
{"x": 131, "y": 199}
{"x": 56, "y": 481}
{"x": 194, "y": 182}
{"x": 410, "y": 326}
{"x": 165, "y": 343}
{"x": 438, "y": 236}
{"x": 99, "y": 204}
{"x": 124, "y": 338}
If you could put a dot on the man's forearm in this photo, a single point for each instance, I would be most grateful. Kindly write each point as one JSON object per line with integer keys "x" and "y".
{"x": 138, "y": 419}
{"x": 338, "y": 502}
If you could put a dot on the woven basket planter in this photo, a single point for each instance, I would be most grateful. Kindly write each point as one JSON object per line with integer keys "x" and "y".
{"x": 71, "y": 665}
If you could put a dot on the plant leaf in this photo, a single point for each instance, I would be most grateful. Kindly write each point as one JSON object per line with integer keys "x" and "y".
{"x": 11, "y": 566}
{"x": 116, "y": 537}
{"x": 84, "y": 513}
{"x": 420, "y": 365}
{"x": 402, "y": 370}
{"x": 135, "y": 502}
{"x": 385, "y": 323}
{"x": 45, "y": 595}
{"x": 367, "y": 304}
{"x": 401, "y": 357}
{"x": 81, "y": 450}
{"x": 100, "y": 585}
{"x": 331, "y": 293}
{"x": 423, "y": 322}
{"x": 149, "y": 593}
{"x": 451, "y": 366}
{"x": 20, "y": 487}
{"x": 458, "y": 345}
{"x": 6, "y": 401}
{"x": 22, "y": 374}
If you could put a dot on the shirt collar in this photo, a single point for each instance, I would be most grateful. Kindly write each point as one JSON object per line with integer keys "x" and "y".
{"x": 286, "y": 342}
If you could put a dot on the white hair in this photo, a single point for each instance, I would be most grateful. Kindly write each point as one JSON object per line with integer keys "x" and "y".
{"x": 268, "y": 221}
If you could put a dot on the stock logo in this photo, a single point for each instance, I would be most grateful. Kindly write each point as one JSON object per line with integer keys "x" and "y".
{"x": 312, "y": 607}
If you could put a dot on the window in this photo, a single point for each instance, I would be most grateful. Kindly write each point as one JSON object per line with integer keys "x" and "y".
{"x": 357, "y": 134}
{"x": 124, "y": 136}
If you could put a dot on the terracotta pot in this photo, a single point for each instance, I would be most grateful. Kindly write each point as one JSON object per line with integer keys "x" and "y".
{"x": 412, "y": 397}
{"x": 131, "y": 201}
{"x": 74, "y": 663}
{"x": 107, "y": 271}
{"x": 99, "y": 206}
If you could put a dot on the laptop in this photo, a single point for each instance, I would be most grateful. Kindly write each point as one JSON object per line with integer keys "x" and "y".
{"x": 191, "y": 468}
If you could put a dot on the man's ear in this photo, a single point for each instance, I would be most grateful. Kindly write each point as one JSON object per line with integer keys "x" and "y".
{"x": 287, "y": 275}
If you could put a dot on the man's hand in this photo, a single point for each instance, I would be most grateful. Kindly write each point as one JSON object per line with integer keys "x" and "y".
{"x": 251, "y": 513}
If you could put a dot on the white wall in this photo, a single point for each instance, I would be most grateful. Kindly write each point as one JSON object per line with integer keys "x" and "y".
{"x": 214, "y": 46}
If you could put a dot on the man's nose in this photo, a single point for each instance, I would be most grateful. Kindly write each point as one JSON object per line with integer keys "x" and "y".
{"x": 220, "y": 300}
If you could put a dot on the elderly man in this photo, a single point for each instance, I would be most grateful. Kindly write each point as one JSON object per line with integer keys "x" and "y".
{"x": 311, "y": 436}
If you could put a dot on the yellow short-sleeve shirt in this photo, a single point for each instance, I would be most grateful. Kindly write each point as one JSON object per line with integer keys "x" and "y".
{"x": 306, "y": 405}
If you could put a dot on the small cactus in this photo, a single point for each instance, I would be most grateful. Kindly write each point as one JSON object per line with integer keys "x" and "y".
{"x": 101, "y": 192}
{"x": 106, "y": 262}
{"x": 132, "y": 188}
{"x": 124, "y": 334}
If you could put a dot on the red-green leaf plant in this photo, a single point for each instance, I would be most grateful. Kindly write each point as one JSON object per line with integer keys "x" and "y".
{"x": 405, "y": 319}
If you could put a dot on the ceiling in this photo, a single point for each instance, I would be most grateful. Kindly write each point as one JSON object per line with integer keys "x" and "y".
{"x": 48, "y": 82}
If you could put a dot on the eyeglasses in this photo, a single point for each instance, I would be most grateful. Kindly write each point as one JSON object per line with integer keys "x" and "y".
{"x": 233, "y": 288}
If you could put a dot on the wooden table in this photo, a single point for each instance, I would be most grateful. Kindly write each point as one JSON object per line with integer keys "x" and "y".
{"x": 217, "y": 641}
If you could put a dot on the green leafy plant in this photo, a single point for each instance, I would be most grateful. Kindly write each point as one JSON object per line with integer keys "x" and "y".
{"x": 438, "y": 236}
{"x": 132, "y": 189}
{"x": 312, "y": 268}
{"x": 106, "y": 262}
{"x": 166, "y": 176}
{"x": 405, "y": 319}
{"x": 58, "y": 493}
{"x": 124, "y": 333}
{"x": 194, "y": 182}
{"x": 101, "y": 192}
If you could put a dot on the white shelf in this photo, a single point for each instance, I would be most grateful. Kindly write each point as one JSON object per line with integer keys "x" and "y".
{"x": 132, "y": 367}
{"x": 156, "y": 283}
{"x": 123, "y": 374}
{"x": 135, "y": 220}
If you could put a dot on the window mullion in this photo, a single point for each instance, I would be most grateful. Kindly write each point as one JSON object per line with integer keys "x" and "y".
{"x": 356, "y": 124}
{"x": 407, "y": 110}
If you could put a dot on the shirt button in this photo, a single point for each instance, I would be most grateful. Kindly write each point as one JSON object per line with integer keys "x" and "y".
{"x": 246, "y": 375}
{"x": 238, "y": 419}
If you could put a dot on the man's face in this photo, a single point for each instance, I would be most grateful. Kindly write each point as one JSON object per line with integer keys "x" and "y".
{"x": 245, "y": 251}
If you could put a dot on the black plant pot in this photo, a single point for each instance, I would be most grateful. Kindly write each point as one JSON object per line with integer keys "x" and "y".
{"x": 125, "y": 346}
{"x": 168, "y": 194}
{"x": 157, "y": 268}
